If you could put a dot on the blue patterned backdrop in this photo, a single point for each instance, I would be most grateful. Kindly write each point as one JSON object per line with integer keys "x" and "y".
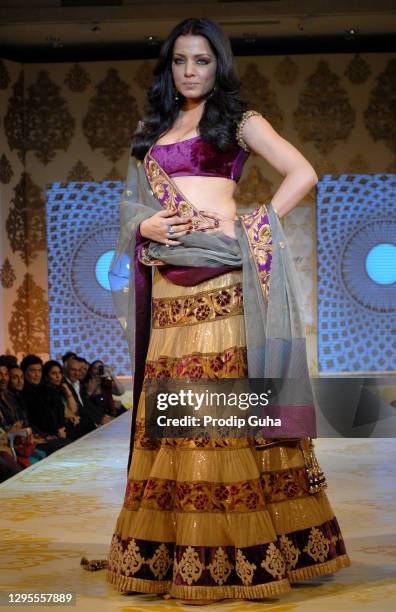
{"x": 82, "y": 230}
{"x": 356, "y": 255}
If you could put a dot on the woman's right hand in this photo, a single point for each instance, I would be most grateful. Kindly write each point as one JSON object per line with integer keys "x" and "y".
{"x": 156, "y": 227}
{"x": 66, "y": 389}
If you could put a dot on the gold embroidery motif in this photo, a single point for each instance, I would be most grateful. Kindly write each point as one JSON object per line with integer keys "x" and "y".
{"x": 220, "y": 568}
{"x": 115, "y": 554}
{"x": 190, "y": 566}
{"x": 260, "y": 243}
{"x": 231, "y": 363}
{"x": 146, "y": 443}
{"x": 144, "y": 257}
{"x": 318, "y": 545}
{"x": 160, "y": 562}
{"x": 289, "y": 551}
{"x": 202, "y": 307}
{"x": 168, "y": 193}
{"x": 134, "y": 494}
{"x": 132, "y": 560}
{"x": 280, "y": 556}
{"x": 241, "y": 496}
{"x": 274, "y": 562}
{"x": 285, "y": 484}
{"x": 163, "y": 494}
{"x": 244, "y": 569}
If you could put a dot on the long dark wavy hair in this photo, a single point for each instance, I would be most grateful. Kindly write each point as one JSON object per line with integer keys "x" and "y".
{"x": 47, "y": 367}
{"x": 223, "y": 108}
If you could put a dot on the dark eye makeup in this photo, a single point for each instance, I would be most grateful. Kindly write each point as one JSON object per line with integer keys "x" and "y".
{"x": 200, "y": 60}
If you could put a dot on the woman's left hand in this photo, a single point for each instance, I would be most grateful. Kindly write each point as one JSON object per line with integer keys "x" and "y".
{"x": 227, "y": 226}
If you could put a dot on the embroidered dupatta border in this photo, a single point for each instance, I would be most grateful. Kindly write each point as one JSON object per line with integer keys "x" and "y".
{"x": 167, "y": 192}
{"x": 258, "y": 232}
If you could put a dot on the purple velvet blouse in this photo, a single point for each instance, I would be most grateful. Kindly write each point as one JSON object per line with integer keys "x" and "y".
{"x": 196, "y": 157}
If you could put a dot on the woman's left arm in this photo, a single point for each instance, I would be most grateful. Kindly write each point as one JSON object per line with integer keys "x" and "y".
{"x": 299, "y": 175}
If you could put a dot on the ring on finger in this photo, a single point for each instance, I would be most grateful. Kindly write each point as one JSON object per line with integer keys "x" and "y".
{"x": 216, "y": 223}
{"x": 166, "y": 242}
{"x": 171, "y": 230}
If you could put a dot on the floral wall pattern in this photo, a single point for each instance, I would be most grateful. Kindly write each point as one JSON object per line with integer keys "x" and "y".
{"x": 73, "y": 122}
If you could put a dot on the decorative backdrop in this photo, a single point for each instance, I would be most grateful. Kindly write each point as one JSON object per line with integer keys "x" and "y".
{"x": 83, "y": 227}
{"x": 356, "y": 224}
{"x": 73, "y": 122}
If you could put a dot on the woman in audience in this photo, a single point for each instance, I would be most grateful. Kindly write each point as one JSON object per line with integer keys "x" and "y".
{"x": 101, "y": 385}
{"x": 60, "y": 397}
{"x": 8, "y": 465}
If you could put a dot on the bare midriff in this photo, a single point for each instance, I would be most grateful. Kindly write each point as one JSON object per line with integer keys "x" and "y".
{"x": 209, "y": 193}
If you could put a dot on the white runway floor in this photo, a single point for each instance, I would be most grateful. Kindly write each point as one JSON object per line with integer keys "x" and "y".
{"x": 66, "y": 506}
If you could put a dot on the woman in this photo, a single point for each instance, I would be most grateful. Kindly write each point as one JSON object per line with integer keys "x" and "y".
{"x": 9, "y": 465}
{"x": 61, "y": 407}
{"x": 101, "y": 385}
{"x": 202, "y": 519}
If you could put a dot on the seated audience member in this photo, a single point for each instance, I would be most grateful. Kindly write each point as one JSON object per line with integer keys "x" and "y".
{"x": 84, "y": 367}
{"x": 13, "y": 423}
{"x": 43, "y": 440}
{"x": 87, "y": 408}
{"x": 63, "y": 402}
{"x": 39, "y": 408}
{"x": 101, "y": 385}
{"x": 13, "y": 411}
{"x": 8, "y": 465}
{"x": 8, "y": 360}
{"x": 67, "y": 356}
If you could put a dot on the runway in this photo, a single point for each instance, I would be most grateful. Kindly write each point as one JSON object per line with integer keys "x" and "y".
{"x": 66, "y": 506}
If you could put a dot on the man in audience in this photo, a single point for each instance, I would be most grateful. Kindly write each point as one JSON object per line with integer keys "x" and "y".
{"x": 84, "y": 367}
{"x": 32, "y": 367}
{"x": 8, "y": 360}
{"x": 86, "y": 408}
{"x": 4, "y": 378}
{"x": 67, "y": 356}
{"x": 14, "y": 416}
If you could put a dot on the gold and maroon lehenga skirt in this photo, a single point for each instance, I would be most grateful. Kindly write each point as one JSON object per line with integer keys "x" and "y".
{"x": 215, "y": 518}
